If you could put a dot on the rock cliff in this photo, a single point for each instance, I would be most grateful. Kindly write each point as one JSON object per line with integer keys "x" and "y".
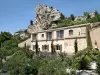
{"x": 45, "y": 18}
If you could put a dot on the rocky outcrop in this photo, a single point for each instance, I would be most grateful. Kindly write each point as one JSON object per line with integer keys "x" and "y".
{"x": 80, "y": 18}
{"x": 34, "y": 28}
{"x": 23, "y": 34}
{"x": 45, "y": 18}
{"x": 92, "y": 14}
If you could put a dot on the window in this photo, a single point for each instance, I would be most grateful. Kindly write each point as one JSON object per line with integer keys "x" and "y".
{"x": 34, "y": 37}
{"x": 49, "y": 35}
{"x": 60, "y": 34}
{"x": 33, "y": 47}
{"x": 70, "y": 32}
{"x": 45, "y": 47}
{"x": 79, "y": 33}
{"x": 42, "y": 35}
{"x": 58, "y": 47}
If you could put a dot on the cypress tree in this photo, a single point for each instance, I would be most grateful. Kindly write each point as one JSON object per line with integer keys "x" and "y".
{"x": 75, "y": 46}
{"x": 36, "y": 47}
{"x": 89, "y": 43}
{"x": 52, "y": 48}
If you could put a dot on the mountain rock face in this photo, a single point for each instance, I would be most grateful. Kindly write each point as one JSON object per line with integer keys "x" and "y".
{"x": 45, "y": 18}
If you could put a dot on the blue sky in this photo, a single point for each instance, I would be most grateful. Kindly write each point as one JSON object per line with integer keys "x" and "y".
{"x": 16, "y": 14}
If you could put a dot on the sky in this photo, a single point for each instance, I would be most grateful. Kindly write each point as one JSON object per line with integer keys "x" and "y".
{"x": 16, "y": 14}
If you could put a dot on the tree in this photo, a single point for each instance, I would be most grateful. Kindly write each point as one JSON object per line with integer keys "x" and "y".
{"x": 52, "y": 48}
{"x": 17, "y": 64}
{"x": 36, "y": 47}
{"x": 53, "y": 67}
{"x": 84, "y": 57}
{"x": 4, "y": 36}
{"x": 87, "y": 15}
{"x": 62, "y": 16}
{"x": 96, "y": 13}
{"x": 75, "y": 46}
{"x": 84, "y": 64}
{"x": 89, "y": 42}
{"x": 72, "y": 16}
{"x": 7, "y": 49}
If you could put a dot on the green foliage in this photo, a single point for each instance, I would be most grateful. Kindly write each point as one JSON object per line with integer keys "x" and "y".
{"x": 53, "y": 67}
{"x": 62, "y": 16}
{"x": 96, "y": 13}
{"x": 84, "y": 64}
{"x": 84, "y": 57}
{"x": 87, "y": 15}
{"x": 75, "y": 46}
{"x": 64, "y": 22}
{"x": 25, "y": 62}
{"x": 98, "y": 64}
{"x": 5, "y": 36}
{"x": 8, "y": 46}
{"x": 17, "y": 63}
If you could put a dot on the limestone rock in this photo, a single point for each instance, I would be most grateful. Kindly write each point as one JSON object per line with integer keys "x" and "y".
{"x": 92, "y": 14}
{"x": 34, "y": 28}
{"x": 80, "y": 18}
{"x": 46, "y": 18}
{"x": 46, "y": 15}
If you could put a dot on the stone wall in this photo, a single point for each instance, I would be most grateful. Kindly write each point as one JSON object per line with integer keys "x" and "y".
{"x": 95, "y": 37}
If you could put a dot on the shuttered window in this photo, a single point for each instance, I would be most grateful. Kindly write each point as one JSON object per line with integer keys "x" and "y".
{"x": 45, "y": 47}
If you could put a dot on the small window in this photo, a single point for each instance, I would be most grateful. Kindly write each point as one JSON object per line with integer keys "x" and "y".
{"x": 42, "y": 35}
{"x": 33, "y": 47}
{"x": 79, "y": 33}
{"x": 57, "y": 47}
{"x": 70, "y": 32}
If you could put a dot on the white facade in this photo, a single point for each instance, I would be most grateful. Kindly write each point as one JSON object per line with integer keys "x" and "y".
{"x": 63, "y": 39}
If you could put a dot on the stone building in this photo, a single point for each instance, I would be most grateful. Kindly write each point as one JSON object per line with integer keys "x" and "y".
{"x": 63, "y": 39}
{"x": 45, "y": 31}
